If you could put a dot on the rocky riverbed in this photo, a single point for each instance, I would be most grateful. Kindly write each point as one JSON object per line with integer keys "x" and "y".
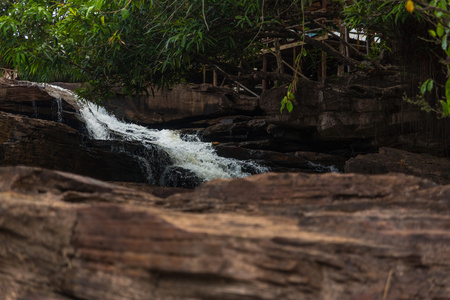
{"x": 292, "y": 234}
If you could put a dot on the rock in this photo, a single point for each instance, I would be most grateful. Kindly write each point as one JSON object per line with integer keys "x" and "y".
{"x": 174, "y": 176}
{"x": 158, "y": 191}
{"x": 356, "y": 114}
{"x": 399, "y": 161}
{"x": 43, "y": 140}
{"x": 236, "y": 129}
{"x": 323, "y": 159}
{"x": 42, "y": 143}
{"x": 276, "y": 161}
{"x": 40, "y": 101}
{"x": 271, "y": 236}
{"x": 183, "y": 103}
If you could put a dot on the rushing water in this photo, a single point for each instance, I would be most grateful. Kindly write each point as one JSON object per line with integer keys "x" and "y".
{"x": 186, "y": 151}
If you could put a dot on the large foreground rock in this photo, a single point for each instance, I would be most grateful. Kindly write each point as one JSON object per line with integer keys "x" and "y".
{"x": 271, "y": 236}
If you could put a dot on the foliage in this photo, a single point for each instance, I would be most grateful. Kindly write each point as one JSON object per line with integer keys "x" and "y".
{"x": 137, "y": 43}
{"x": 381, "y": 17}
{"x": 437, "y": 12}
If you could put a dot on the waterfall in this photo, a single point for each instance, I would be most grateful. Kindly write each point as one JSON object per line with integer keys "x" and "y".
{"x": 186, "y": 151}
{"x": 35, "y": 109}
{"x": 59, "y": 109}
{"x": 322, "y": 168}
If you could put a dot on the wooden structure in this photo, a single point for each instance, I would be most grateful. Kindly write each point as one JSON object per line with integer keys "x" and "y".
{"x": 8, "y": 73}
{"x": 284, "y": 55}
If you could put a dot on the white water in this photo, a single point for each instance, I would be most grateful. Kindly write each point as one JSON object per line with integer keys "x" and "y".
{"x": 59, "y": 109}
{"x": 323, "y": 169}
{"x": 187, "y": 152}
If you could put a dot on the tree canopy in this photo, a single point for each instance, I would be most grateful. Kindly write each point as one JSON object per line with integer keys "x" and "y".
{"x": 135, "y": 44}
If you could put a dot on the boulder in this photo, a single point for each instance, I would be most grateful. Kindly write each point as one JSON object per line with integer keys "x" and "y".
{"x": 42, "y": 143}
{"x": 270, "y": 236}
{"x": 40, "y": 101}
{"x": 399, "y": 161}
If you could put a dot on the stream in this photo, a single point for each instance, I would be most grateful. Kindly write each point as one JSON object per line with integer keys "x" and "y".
{"x": 186, "y": 151}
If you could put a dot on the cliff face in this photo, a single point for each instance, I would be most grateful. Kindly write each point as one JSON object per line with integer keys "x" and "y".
{"x": 344, "y": 116}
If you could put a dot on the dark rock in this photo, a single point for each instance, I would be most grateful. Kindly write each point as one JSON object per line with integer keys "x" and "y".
{"x": 323, "y": 159}
{"x": 235, "y": 129}
{"x": 183, "y": 103}
{"x": 174, "y": 176}
{"x": 40, "y": 101}
{"x": 399, "y": 161}
{"x": 277, "y": 161}
{"x": 47, "y": 144}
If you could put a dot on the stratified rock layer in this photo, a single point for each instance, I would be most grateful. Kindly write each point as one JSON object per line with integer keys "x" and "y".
{"x": 398, "y": 161}
{"x": 271, "y": 236}
{"x": 42, "y": 143}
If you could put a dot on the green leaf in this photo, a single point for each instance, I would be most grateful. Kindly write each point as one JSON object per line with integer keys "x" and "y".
{"x": 88, "y": 11}
{"x": 290, "y": 96}
{"x": 440, "y": 30}
{"x": 445, "y": 108}
{"x": 444, "y": 42}
{"x": 430, "y": 85}
{"x": 447, "y": 89}
{"x": 125, "y": 13}
{"x": 423, "y": 87}
{"x": 289, "y": 106}
{"x": 103, "y": 20}
{"x": 283, "y": 103}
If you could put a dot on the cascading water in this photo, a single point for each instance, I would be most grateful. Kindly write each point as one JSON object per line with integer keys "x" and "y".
{"x": 58, "y": 102}
{"x": 185, "y": 151}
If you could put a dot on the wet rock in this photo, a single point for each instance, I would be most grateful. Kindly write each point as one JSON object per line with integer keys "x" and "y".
{"x": 393, "y": 160}
{"x": 323, "y": 158}
{"x": 236, "y": 129}
{"x": 42, "y": 143}
{"x": 275, "y": 161}
{"x": 174, "y": 176}
{"x": 41, "y": 102}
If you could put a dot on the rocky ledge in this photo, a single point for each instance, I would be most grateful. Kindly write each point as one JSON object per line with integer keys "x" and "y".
{"x": 270, "y": 236}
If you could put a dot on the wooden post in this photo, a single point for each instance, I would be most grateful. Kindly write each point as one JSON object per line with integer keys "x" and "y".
{"x": 324, "y": 65}
{"x": 294, "y": 57}
{"x": 340, "y": 71}
{"x": 324, "y": 54}
{"x": 214, "y": 78}
{"x": 264, "y": 81}
{"x": 204, "y": 74}
{"x": 346, "y": 47}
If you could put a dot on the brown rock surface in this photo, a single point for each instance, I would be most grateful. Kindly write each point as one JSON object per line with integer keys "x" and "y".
{"x": 42, "y": 143}
{"x": 399, "y": 161}
{"x": 26, "y": 98}
{"x": 271, "y": 236}
{"x": 180, "y": 104}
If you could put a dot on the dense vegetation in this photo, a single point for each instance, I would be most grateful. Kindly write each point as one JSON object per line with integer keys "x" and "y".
{"x": 135, "y": 44}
